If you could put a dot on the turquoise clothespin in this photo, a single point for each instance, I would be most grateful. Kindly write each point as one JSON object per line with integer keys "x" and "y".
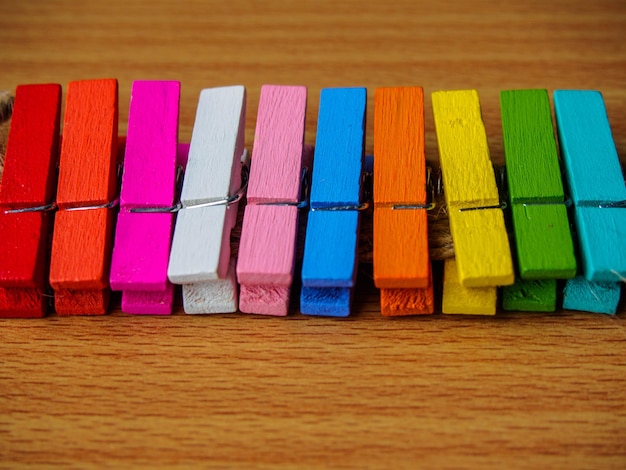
{"x": 597, "y": 189}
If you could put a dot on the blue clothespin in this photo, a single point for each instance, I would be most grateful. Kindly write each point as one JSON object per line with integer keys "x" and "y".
{"x": 597, "y": 189}
{"x": 332, "y": 236}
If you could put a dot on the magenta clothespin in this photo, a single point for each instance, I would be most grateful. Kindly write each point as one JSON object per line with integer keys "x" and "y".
{"x": 144, "y": 226}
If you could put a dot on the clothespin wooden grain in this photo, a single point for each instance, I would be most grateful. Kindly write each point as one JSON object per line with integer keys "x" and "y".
{"x": 332, "y": 233}
{"x": 545, "y": 249}
{"x": 527, "y": 295}
{"x": 81, "y": 245}
{"x": 268, "y": 235}
{"x": 201, "y": 257}
{"x": 26, "y": 195}
{"x": 481, "y": 243}
{"x": 597, "y": 188}
{"x": 402, "y": 268}
{"x": 595, "y": 180}
{"x": 145, "y": 222}
{"x": 591, "y": 296}
{"x": 153, "y": 302}
{"x": 458, "y": 299}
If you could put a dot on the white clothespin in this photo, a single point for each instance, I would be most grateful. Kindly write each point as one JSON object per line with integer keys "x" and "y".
{"x": 200, "y": 259}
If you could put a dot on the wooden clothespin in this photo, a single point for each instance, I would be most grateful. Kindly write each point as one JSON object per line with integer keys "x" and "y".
{"x": 81, "y": 245}
{"x": 144, "y": 225}
{"x": 332, "y": 232}
{"x": 201, "y": 253}
{"x": 545, "y": 250}
{"x": 26, "y": 198}
{"x": 154, "y": 302}
{"x": 268, "y": 235}
{"x": 459, "y": 299}
{"x": 402, "y": 268}
{"x": 597, "y": 189}
{"x": 481, "y": 244}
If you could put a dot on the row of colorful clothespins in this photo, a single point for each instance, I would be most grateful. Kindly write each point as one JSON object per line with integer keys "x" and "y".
{"x": 145, "y": 238}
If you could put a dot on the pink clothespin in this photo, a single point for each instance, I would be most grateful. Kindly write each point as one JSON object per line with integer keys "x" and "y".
{"x": 145, "y": 222}
{"x": 268, "y": 237}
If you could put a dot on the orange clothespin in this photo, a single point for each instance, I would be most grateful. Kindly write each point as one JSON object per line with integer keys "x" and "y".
{"x": 81, "y": 246}
{"x": 402, "y": 268}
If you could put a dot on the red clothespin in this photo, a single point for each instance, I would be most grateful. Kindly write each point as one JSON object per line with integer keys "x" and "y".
{"x": 26, "y": 198}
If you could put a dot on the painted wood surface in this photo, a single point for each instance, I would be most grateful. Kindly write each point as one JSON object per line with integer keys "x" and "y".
{"x": 401, "y": 261}
{"x": 28, "y": 181}
{"x": 543, "y": 240}
{"x": 545, "y": 249}
{"x": 481, "y": 244}
{"x": 407, "y": 301}
{"x": 201, "y": 253}
{"x": 400, "y": 235}
{"x": 332, "y": 236}
{"x": 595, "y": 179}
{"x": 155, "y": 303}
{"x": 216, "y": 295}
{"x": 82, "y": 240}
{"x": 539, "y": 295}
{"x": 149, "y": 176}
{"x": 266, "y": 259}
{"x": 458, "y": 299}
{"x": 591, "y": 296}
{"x": 142, "y": 240}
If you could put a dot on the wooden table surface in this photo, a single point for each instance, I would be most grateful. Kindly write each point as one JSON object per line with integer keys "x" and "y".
{"x": 515, "y": 391}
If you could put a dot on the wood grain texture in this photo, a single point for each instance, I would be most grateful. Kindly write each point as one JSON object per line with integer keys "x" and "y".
{"x": 441, "y": 391}
{"x": 82, "y": 239}
{"x": 545, "y": 249}
{"x": 28, "y": 181}
{"x": 481, "y": 244}
{"x": 330, "y": 260}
